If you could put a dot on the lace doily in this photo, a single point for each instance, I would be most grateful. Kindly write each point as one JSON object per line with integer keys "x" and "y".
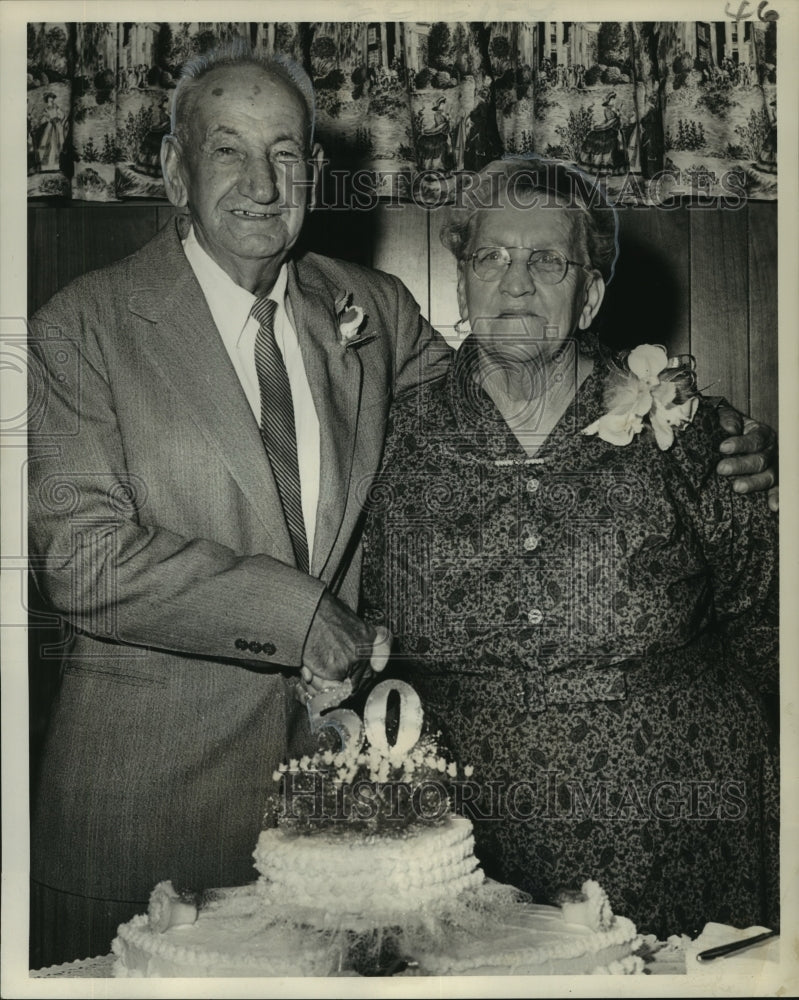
{"x": 83, "y": 968}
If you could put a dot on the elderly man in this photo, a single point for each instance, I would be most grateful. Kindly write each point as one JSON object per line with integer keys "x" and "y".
{"x": 229, "y": 406}
{"x": 195, "y": 506}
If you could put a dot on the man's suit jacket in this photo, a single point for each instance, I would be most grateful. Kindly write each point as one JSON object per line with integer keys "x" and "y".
{"x": 157, "y": 533}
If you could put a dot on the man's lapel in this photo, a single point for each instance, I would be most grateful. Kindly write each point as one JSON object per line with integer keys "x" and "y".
{"x": 187, "y": 350}
{"x": 335, "y": 375}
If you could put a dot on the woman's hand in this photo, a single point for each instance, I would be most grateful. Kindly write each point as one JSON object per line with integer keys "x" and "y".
{"x": 751, "y": 455}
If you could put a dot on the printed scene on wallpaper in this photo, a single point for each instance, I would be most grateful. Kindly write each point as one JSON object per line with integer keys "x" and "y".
{"x": 653, "y": 109}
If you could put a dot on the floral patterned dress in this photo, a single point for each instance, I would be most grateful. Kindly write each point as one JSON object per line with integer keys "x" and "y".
{"x": 595, "y": 631}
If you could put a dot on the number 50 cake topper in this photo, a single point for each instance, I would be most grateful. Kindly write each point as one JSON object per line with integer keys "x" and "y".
{"x": 351, "y": 729}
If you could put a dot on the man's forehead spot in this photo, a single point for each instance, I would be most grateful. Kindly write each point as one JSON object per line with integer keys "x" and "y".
{"x": 242, "y": 90}
{"x": 249, "y": 83}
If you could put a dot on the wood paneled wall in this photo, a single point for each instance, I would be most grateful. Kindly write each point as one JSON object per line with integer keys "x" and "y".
{"x": 699, "y": 280}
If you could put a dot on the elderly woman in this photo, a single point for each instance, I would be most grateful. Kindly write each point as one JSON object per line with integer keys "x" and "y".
{"x": 586, "y": 609}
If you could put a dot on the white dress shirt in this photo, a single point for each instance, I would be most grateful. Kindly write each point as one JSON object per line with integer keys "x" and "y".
{"x": 230, "y": 306}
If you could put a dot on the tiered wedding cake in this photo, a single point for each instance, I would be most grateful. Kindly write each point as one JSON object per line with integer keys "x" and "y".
{"x": 368, "y": 872}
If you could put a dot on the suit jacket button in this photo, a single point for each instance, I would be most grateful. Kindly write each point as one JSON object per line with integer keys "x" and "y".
{"x": 254, "y": 647}
{"x": 241, "y": 643}
{"x": 269, "y": 648}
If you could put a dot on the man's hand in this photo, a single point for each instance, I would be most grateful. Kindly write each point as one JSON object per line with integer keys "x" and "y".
{"x": 753, "y": 451}
{"x": 338, "y": 644}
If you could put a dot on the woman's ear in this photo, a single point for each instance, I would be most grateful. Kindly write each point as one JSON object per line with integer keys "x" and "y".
{"x": 171, "y": 169}
{"x": 593, "y": 296}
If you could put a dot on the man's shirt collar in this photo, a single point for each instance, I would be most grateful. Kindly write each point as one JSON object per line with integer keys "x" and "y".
{"x": 230, "y": 304}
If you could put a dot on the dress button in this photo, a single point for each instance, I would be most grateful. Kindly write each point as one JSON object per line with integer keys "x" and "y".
{"x": 254, "y": 647}
{"x": 269, "y": 648}
{"x": 535, "y": 616}
{"x": 530, "y": 543}
{"x": 241, "y": 643}
{"x": 533, "y": 484}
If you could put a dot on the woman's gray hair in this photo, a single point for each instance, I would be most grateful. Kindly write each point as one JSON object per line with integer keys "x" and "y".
{"x": 552, "y": 184}
{"x": 239, "y": 52}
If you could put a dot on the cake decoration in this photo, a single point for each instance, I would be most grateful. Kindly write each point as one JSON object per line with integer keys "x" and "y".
{"x": 366, "y": 783}
{"x": 590, "y": 907}
{"x": 169, "y": 908}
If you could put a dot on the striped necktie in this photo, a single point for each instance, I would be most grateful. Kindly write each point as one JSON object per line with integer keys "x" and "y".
{"x": 277, "y": 425}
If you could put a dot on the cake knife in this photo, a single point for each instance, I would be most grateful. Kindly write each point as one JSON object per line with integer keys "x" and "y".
{"x": 728, "y": 949}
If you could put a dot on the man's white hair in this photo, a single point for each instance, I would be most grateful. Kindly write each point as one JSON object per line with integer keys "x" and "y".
{"x": 239, "y": 52}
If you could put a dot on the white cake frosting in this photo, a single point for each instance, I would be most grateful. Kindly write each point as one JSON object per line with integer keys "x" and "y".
{"x": 233, "y": 936}
{"x": 539, "y": 942}
{"x": 316, "y": 895}
{"x": 372, "y": 879}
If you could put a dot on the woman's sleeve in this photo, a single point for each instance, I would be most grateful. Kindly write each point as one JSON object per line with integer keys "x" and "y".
{"x": 739, "y": 535}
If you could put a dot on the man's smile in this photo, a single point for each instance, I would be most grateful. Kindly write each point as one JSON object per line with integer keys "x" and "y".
{"x": 243, "y": 213}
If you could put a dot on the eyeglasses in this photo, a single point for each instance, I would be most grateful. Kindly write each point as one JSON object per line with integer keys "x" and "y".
{"x": 547, "y": 266}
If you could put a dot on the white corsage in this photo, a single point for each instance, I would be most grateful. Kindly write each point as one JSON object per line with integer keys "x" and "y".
{"x": 170, "y": 909}
{"x": 350, "y": 318}
{"x": 653, "y": 389}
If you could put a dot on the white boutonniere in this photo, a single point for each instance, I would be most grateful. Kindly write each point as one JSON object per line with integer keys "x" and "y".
{"x": 649, "y": 389}
{"x": 350, "y": 319}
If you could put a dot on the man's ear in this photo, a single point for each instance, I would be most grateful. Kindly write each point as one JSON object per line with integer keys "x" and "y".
{"x": 171, "y": 169}
{"x": 593, "y": 296}
{"x": 316, "y": 161}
